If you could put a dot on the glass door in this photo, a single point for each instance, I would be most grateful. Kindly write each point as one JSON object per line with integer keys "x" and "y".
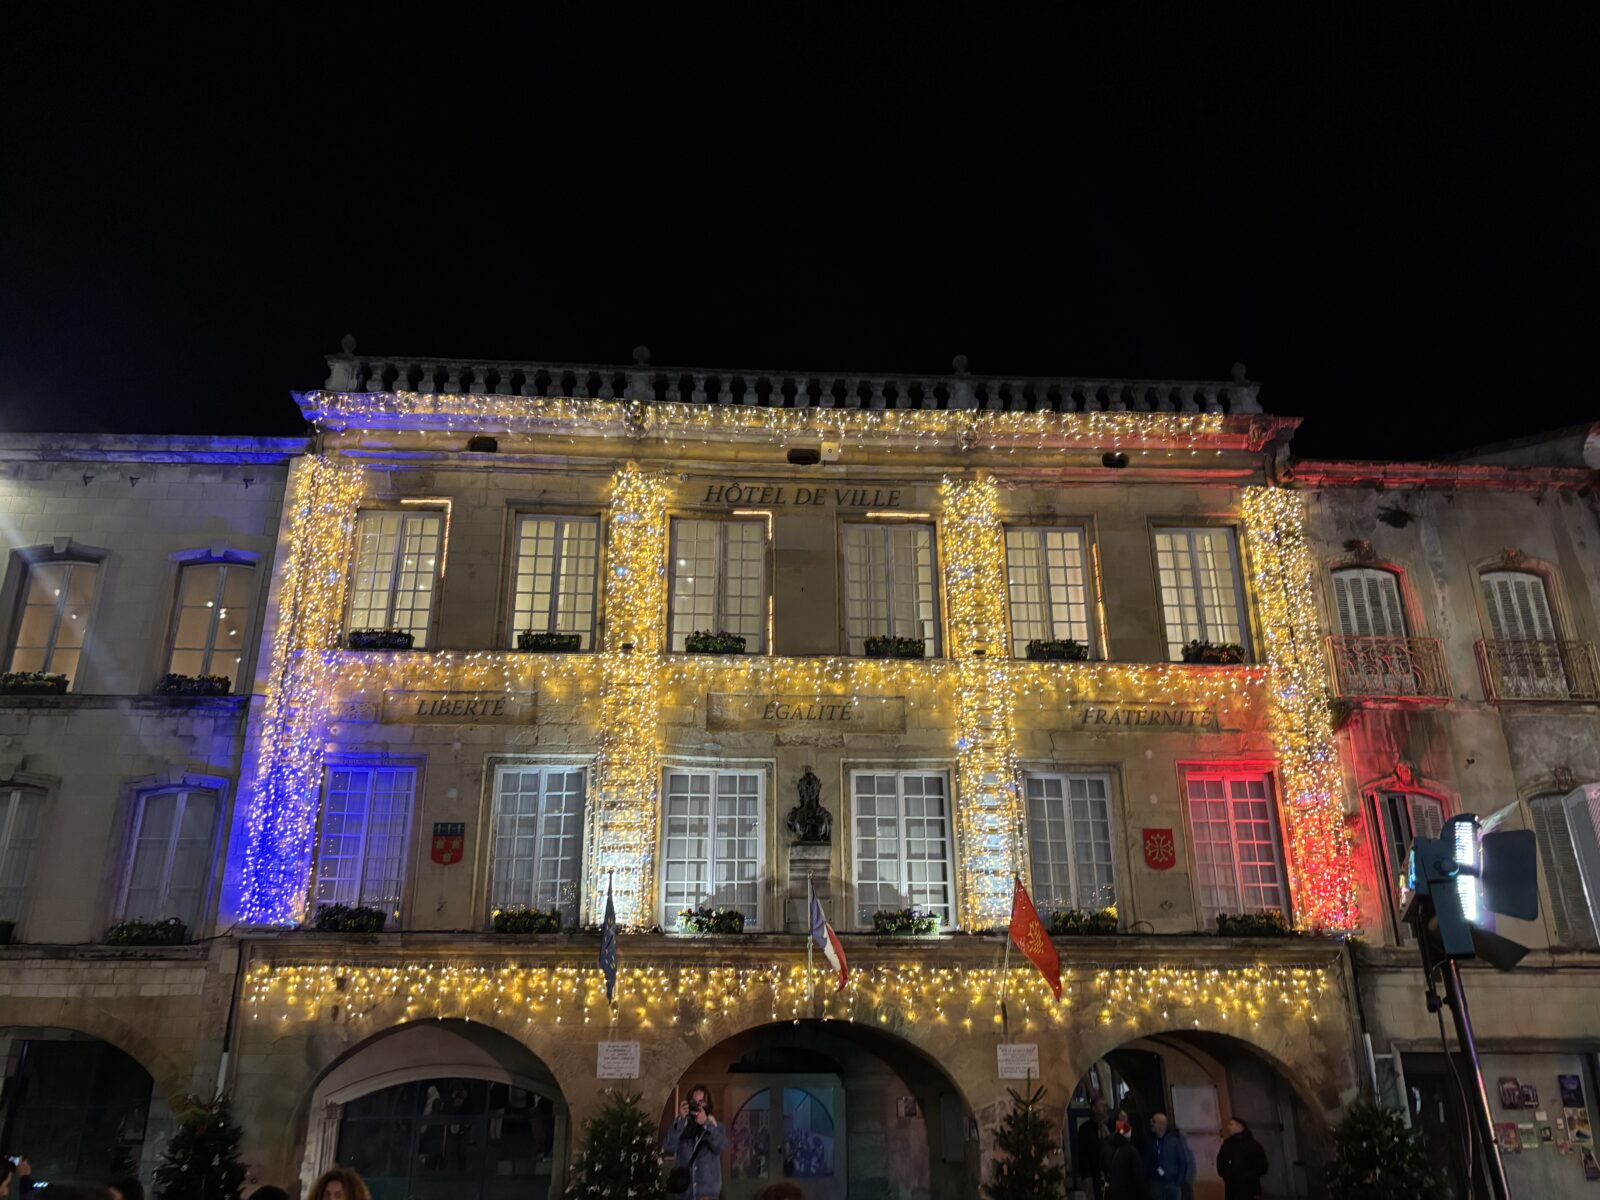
{"x": 787, "y": 1128}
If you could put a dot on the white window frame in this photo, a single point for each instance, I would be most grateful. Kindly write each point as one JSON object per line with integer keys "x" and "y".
{"x": 570, "y": 824}
{"x": 203, "y": 900}
{"x": 755, "y": 639}
{"x": 1575, "y": 888}
{"x": 1060, "y": 620}
{"x": 1171, "y": 612}
{"x": 236, "y": 672}
{"x": 13, "y": 848}
{"x": 861, "y": 912}
{"x": 52, "y": 646}
{"x": 1227, "y": 774}
{"x": 407, "y": 515}
{"x": 358, "y": 887}
{"x": 931, "y": 633}
{"x": 669, "y": 909}
{"x": 553, "y": 619}
{"x": 1536, "y": 624}
{"x": 1071, "y": 844}
{"x": 1369, "y": 597}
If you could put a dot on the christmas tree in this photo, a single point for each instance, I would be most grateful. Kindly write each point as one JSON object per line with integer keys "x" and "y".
{"x": 1376, "y": 1157}
{"x": 1027, "y": 1138}
{"x": 201, "y": 1162}
{"x": 619, "y": 1154}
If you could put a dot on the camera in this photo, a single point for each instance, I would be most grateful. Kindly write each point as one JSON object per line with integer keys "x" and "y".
{"x": 696, "y": 1107}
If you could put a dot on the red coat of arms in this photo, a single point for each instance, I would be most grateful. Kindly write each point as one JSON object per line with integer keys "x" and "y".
{"x": 1160, "y": 851}
{"x": 449, "y": 839}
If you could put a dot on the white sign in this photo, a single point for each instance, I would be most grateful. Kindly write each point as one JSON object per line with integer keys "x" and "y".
{"x": 617, "y": 1060}
{"x": 1018, "y": 1060}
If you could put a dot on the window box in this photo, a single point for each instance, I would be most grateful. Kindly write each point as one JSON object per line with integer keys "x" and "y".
{"x": 895, "y": 647}
{"x": 1213, "y": 653}
{"x": 549, "y": 643}
{"x": 1057, "y": 650}
{"x": 7, "y": 930}
{"x": 194, "y": 685}
{"x": 519, "y": 918}
{"x": 1078, "y": 921}
{"x": 32, "y": 683}
{"x": 171, "y": 932}
{"x": 906, "y": 922}
{"x": 380, "y": 639}
{"x": 711, "y": 920}
{"x": 1267, "y": 924}
{"x": 700, "y": 642}
{"x": 348, "y": 918}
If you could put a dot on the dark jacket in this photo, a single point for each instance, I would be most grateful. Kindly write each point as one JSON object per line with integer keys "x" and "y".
{"x": 1242, "y": 1164}
{"x": 707, "y": 1166}
{"x": 1089, "y": 1142}
{"x": 1126, "y": 1178}
{"x": 1167, "y": 1158}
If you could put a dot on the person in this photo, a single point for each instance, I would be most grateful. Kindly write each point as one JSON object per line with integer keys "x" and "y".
{"x": 1167, "y": 1159}
{"x": 1124, "y": 1168}
{"x": 7, "y": 1168}
{"x": 1241, "y": 1162}
{"x": 128, "y": 1188}
{"x": 1091, "y": 1136}
{"x": 339, "y": 1183}
{"x": 696, "y": 1142}
{"x": 268, "y": 1191}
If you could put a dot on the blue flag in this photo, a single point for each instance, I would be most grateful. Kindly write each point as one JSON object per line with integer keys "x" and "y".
{"x": 608, "y": 946}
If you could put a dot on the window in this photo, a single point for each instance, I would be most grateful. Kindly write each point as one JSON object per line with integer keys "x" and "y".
{"x": 54, "y": 619}
{"x": 719, "y": 580}
{"x": 1238, "y": 865}
{"x": 173, "y": 832}
{"x": 712, "y": 854}
{"x": 1568, "y": 830}
{"x": 538, "y": 835}
{"x": 554, "y": 587}
{"x": 1069, "y": 840}
{"x": 1519, "y": 606}
{"x": 1201, "y": 597}
{"x": 889, "y": 584}
{"x": 397, "y": 562}
{"x": 1403, "y": 817}
{"x": 213, "y": 619}
{"x": 1368, "y": 603}
{"x": 21, "y": 813}
{"x": 1048, "y": 575}
{"x": 366, "y": 826}
{"x": 902, "y": 843}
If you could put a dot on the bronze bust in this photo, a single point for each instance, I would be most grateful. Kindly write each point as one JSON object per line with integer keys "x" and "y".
{"x": 809, "y": 821}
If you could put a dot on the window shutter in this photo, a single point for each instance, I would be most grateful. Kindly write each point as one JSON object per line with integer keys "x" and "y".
{"x": 1519, "y": 609}
{"x": 1345, "y": 602}
{"x": 1582, "y": 810}
{"x": 1427, "y": 817}
{"x": 1368, "y": 601}
{"x": 1563, "y": 880}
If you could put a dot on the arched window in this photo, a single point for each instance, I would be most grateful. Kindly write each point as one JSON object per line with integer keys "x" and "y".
{"x": 1568, "y": 830}
{"x": 53, "y": 616}
{"x": 1403, "y": 816}
{"x": 21, "y": 817}
{"x": 169, "y": 871}
{"x": 1524, "y": 654}
{"x": 211, "y": 624}
{"x": 1367, "y": 601}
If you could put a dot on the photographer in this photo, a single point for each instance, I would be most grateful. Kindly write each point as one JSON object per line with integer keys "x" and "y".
{"x": 696, "y": 1142}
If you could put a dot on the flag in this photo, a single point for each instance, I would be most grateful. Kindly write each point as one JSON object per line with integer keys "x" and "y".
{"x": 1027, "y": 931}
{"x": 826, "y": 939}
{"x": 608, "y": 946}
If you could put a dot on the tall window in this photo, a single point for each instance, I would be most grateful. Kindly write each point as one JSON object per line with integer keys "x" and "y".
{"x": 1201, "y": 596}
{"x": 1403, "y": 818}
{"x": 397, "y": 564}
{"x": 366, "y": 826}
{"x": 1368, "y": 603}
{"x": 173, "y": 835}
{"x": 1525, "y": 652}
{"x": 1069, "y": 839}
{"x": 538, "y": 837}
{"x": 213, "y": 619}
{"x": 902, "y": 843}
{"x": 890, "y": 584}
{"x": 1048, "y": 576}
{"x": 712, "y": 850}
{"x": 1238, "y": 863}
{"x": 54, "y": 619}
{"x": 719, "y": 580}
{"x": 21, "y": 814}
{"x": 554, "y": 588}
{"x": 1568, "y": 831}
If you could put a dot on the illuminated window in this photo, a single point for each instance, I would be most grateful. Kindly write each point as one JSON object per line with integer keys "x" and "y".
{"x": 366, "y": 826}
{"x": 554, "y": 582}
{"x": 397, "y": 567}
{"x": 711, "y": 853}
{"x": 21, "y": 814}
{"x": 719, "y": 580}
{"x": 1201, "y": 596}
{"x": 1048, "y": 576}
{"x": 54, "y": 620}
{"x": 902, "y": 843}
{"x": 890, "y": 584}
{"x": 212, "y": 622}
{"x": 1069, "y": 839}
{"x": 538, "y": 837}
{"x": 1368, "y": 603}
{"x": 1568, "y": 831}
{"x": 1238, "y": 862}
{"x": 170, "y": 872}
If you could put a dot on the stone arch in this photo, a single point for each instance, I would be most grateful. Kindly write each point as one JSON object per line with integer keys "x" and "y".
{"x": 173, "y": 1079}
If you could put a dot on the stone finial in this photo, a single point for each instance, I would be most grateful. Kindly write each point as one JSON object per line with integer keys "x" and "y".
{"x": 347, "y": 344}
{"x": 958, "y": 364}
{"x": 641, "y": 355}
{"x": 1237, "y": 373}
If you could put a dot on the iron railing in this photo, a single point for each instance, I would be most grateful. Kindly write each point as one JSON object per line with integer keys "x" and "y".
{"x": 1383, "y": 668}
{"x": 1540, "y": 670}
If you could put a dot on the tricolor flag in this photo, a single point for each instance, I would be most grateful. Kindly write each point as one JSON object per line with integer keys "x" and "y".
{"x": 826, "y": 939}
{"x": 608, "y": 946}
{"x": 1027, "y": 931}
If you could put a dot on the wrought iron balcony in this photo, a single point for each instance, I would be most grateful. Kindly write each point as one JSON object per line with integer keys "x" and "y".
{"x": 1388, "y": 668}
{"x": 1543, "y": 670}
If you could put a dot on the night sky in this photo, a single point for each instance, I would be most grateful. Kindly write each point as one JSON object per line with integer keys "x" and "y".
{"x": 1389, "y": 216}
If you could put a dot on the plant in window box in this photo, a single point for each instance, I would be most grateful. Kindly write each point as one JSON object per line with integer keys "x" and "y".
{"x": 171, "y": 932}
{"x": 32, "y": 683}
{"x": 519, "y": 918}
{"x": 895, "y": 647}
{"x": 349, "y": 918}
{"x": 721, "y": 642}
{"x": 548, "y": 642}
{"x": 711, "y": 920}
{"x": 1265, "y": 924}
{"x": 193, "y": 685}
{"x": 8, "y": 930}
{"x": 906, "y": 922}
{"x": 1213, "y": 653}
{"x": 1074, "y": 922}
{"x": 1057, "y": 650}
{"x": 381, "y": 639}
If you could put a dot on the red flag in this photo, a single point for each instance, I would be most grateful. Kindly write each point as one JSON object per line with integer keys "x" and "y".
{"x": 1028, "y": 932}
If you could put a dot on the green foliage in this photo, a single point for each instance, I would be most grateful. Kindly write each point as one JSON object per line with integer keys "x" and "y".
{"x": 380, "y": 639}
{"x": 32, "y": 683}
{"x": 348, "y": 918}
{"x": 895, "y": 647}
{"x": 1377, "y": 1158}
{"x": 619, "y": 1154}
{"x": 903, "y": 921}
{"x": 171, "y": 932}
{"x": 721, "y": 642}
{"x": 711, "y": 920}
{"x": 201, "y": 1162}
{"x": 1057, "y": 650}
{"x": 1084, "y": 921}
{"x": 1218, "y": 653}
{"x": 1028, "y": 1166}
{"x": 1267, "y": 924}
{"x": 193, "y": 685}
{"x": 519, "y": 918}
{"x": 549, "y": 643}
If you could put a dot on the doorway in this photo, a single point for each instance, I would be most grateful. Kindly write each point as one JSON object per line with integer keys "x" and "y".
{"x": 790, "y": 1128}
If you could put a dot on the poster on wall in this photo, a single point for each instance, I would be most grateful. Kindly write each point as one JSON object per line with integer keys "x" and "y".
{"x": 1578, "y": 1127}
{"x": 1528, "y": 1134}
{"x": 1505, "y": 1134}
{"x": 1571, "y": 1091}
{"x": 1510, "y": 1092}
{"x": 1530, "y": 1096}
{"x": 1591, "y": 1169}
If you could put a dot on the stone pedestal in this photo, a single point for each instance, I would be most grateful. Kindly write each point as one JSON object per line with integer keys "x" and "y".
{"x": 807, "y": 860}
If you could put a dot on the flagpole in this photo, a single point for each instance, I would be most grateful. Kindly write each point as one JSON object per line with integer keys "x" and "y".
{"x": 1005, "y": 977}
{"x": 611, "y": 880}
{"x": 811, "y": 946}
